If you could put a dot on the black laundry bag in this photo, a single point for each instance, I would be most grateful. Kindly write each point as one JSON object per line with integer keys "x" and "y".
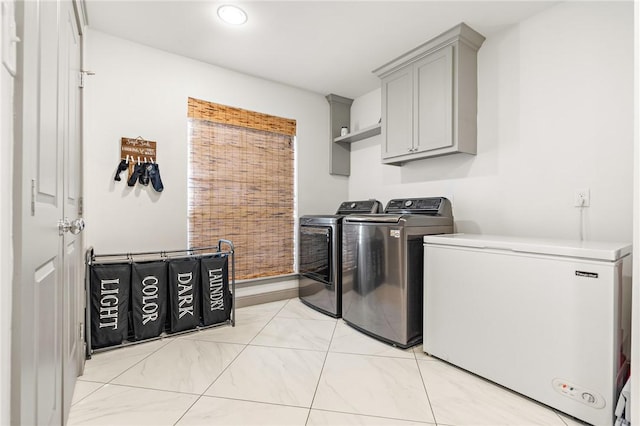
{"x": 184, "y": 300}
{"x": 216, "y": 297}
{"x": 148, "y": 299}
{"x": 110, "y": 286}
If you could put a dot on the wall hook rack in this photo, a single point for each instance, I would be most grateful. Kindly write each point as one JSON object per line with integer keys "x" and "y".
{"x": 138, "y": 148}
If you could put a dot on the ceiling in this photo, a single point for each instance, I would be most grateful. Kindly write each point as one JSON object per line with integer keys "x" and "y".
{"x": 321, "y": 46}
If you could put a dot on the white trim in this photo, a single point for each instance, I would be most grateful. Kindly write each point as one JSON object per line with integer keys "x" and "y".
{"x": 268, "y": 287}
{"x": 635, "y": 301}
{"x": 6, "y": 221}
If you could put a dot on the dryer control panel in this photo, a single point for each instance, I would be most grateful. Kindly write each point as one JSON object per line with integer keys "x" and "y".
{"x": 435, "y": 206}
{"x": 365, "y": 206}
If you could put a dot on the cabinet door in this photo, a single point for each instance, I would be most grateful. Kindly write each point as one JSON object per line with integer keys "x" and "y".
{"x": 433, "y": 109}
{"x": 397, "y": 106}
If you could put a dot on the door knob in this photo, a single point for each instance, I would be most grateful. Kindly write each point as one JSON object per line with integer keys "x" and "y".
{"x": 75, "y": 226}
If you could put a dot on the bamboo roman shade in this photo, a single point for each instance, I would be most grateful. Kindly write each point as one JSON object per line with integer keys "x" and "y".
{"x": 241, "y": 186}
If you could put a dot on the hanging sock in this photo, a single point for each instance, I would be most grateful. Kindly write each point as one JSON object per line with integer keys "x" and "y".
{"x": 124, "y": 165}
{"x": 137, "y": 171}
{"x": 132, "y": 166}
{"x": 144, "y": 177}
{"x": 154, "y": 174}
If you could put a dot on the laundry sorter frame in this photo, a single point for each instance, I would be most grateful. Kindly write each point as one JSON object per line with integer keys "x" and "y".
{"x": 118, "y": 258}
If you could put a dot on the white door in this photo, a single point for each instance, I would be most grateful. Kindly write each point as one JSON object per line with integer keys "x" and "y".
{"x": 46, "y": 263}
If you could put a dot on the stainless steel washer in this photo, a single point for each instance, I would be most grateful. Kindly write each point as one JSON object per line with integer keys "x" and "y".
{"x": 319, "y": 260}
{"x": 382, "y": 267}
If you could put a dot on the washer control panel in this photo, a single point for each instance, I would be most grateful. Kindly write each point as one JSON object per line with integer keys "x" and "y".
{"x": 573, "y": 391}
{"x": 431, "y": 206}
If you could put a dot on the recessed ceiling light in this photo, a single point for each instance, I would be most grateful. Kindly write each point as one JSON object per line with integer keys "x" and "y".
{"x": 232, "y": 14}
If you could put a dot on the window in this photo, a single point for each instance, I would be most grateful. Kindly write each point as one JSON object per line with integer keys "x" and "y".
{"x": 241, "y": 186}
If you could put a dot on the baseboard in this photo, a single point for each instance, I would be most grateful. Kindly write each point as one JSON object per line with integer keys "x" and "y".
{"x": 266, "y": 297}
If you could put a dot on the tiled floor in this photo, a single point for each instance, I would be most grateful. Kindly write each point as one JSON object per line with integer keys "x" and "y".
{"x": 285, "y": 364}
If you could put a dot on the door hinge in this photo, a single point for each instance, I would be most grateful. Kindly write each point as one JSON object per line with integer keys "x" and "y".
{"x": 33, "y": 197}
{"x": 82, "y": 74}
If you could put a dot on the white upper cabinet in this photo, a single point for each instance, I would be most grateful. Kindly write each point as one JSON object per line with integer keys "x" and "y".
{"x": 429, "y": 98}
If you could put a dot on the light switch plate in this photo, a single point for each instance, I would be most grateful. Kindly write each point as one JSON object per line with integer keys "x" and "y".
{"x": 9, "y": 36}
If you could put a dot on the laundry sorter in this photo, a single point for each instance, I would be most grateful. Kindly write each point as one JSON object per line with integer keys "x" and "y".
{"x": 137, "y": 297}
{"x": 543, "y": 317}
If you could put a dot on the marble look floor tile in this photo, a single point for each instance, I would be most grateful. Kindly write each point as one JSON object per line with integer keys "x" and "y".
{"x": 105, "y": 366}
{"x": 296, "y": 334}
{"x": 373, "y": 385}
{"x": 570, "y": 421}
{"x": 184, "y": 365}
{"x": 332, "y": 418}
{"x": 274, "y": 375}
{"x": 84, "y": 389}
{"x": 347, "y": 339}
{"x": 296, "y": 309}
{"x": 420, "y": 354}
{"x": 243, "y": 332}
{"x": 459, "y": 398}
{"x": 123, "y": 405}
{"x": 260, "y": 312}
{"x": 229, "y": 412}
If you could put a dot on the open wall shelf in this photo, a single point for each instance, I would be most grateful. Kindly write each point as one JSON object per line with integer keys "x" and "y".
{"x": 367, "y": 132}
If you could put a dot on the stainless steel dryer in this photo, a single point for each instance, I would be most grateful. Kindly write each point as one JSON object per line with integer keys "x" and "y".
{"x": 382, "y": 267}
{"x": 319, "y": 259}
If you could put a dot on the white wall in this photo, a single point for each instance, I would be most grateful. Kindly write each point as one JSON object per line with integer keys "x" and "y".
{"x": 139, "y": 91}
{"x": 555, "y": 113}
{"x": 6, "y": 211}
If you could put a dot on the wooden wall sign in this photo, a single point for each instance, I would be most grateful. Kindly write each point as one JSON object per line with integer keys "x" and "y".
{"x": 138, "y": 149}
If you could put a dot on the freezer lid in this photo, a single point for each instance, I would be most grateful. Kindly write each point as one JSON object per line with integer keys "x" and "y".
{"x": 609, "y": 251}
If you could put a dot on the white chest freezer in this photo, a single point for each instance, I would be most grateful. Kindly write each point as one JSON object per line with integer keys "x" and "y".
{"x": 540, "y": 317}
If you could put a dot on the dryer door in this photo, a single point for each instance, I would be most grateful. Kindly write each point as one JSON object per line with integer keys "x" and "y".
{"x": 315, "y": 253}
